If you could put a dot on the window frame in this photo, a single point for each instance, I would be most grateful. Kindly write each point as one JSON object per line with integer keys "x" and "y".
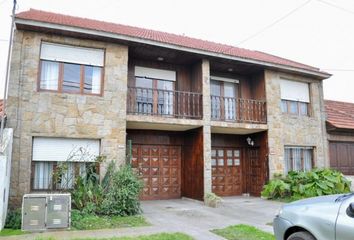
{"x": 298, "y": 107}
{"x": 61, "y": 73}
{"x": 302, "y": 159}
{"x": 222, "y": 97}
{"x": 55, "y": 165}
{"x": 155, "y": 94}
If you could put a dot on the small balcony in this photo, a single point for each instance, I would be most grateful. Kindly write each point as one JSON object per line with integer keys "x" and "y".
{"x": 238, "y": 110}
{"x": 165, "y": 103}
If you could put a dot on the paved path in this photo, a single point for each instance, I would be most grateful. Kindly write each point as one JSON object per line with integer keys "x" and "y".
{"x": 183, "y": 215}
{"x": 197, "y": 220}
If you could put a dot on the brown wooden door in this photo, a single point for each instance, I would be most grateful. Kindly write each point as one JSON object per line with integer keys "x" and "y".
{"x": 254, "y": 169}
{"x": 226, "y": 171}
{"x": 160, "y": 168}
{"x": 341, "y": 156}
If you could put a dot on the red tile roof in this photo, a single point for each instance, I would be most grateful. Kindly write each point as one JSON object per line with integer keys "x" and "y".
{"x": 340, "y": 114}
{"x": 162, "y": 37}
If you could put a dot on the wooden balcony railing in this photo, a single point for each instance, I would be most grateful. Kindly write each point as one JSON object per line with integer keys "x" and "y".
{"x": 238, "y": 110}
{"x": 168, "y": 103}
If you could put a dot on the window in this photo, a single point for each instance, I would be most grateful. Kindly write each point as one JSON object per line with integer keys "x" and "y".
{"x": 154, "y": 90}
{"x": 295, "y": 97}
{"x": 298, "y": 158}
{"x": 224, "y": 98}
{"x": 43, "y": 176}
{"x": 71, "y": 69}
{"x": 50, "y": 153}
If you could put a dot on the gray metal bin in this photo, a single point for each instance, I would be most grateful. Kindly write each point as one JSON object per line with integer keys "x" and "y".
{"x": 45, "y": 211}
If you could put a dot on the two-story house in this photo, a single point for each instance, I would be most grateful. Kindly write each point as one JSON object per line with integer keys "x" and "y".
{"x": 192, "y": 116}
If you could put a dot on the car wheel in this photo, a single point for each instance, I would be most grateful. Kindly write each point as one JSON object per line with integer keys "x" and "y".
{"x": 301, "y": 236}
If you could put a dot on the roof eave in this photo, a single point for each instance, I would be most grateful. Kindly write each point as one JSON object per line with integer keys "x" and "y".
{"x": 320, "y": 75}
{"x": 331, "y": 127}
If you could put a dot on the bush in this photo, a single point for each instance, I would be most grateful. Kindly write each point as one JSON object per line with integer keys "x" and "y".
{"x": 298, "y": 184}
{"x": 13, "y": 219}
{"x": 117, "y": 194}
{"x": 122, "y": 189}
{"x": 87, "y": 194}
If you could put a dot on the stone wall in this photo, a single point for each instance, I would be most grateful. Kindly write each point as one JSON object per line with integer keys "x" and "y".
{"x": 285, "y": 129}
{"x": 33, "y": 113}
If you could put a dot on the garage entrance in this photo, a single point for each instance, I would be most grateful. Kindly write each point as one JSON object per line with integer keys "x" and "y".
{"x": 238, "y": 167}
{"x": 226, "y": 171}
{"x": 342, "y": 156}
{"x": 160, "y": 168}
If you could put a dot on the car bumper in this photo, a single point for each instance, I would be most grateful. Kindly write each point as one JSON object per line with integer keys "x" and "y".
{"x": 280, "y": 225}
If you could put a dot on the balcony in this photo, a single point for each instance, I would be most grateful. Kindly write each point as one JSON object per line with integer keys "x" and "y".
{"x": 165, "y": 103}
{"x": 238, "y": 110}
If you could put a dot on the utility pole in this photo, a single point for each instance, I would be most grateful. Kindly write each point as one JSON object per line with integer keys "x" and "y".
{"x": 7, "y": 77}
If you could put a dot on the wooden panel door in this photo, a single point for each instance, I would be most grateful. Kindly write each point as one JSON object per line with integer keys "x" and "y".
{"x": 254, "y": 172}
{"x": 226, "y": 171}
{"x": 160, "y": 169}
{"x": 341, "y": 156}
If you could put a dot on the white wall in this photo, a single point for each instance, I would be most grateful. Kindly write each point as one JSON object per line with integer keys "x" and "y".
{"x": 5, "y": 167}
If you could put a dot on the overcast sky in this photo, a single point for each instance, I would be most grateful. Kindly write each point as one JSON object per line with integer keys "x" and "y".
{"x": 315, "y": 32}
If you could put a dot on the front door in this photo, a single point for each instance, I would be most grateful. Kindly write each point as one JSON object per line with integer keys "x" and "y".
{"x": 254, "y": 169}
{"x": 226, "y": 171}
{"x": 160, "y": 168}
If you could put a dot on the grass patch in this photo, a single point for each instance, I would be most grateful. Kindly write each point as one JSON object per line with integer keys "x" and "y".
{"x": 90, "y": 222}
{"x": 158, "y": 236}
{"x": 10, "y": 232}
{"x": 243, "y": 232}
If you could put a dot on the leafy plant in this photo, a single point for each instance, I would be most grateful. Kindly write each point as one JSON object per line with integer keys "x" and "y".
{"x": 299, "y": 184}
{"x": 121, "y": 191}
{"x": 13, "y": 219}
{"x": 212, "y": 200}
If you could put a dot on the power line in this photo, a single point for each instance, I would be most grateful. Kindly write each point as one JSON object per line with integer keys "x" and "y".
{"x": 275, "y": 22}
{"x": 336, "y": 6}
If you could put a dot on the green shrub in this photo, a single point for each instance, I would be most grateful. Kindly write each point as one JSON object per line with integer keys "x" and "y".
{"x": 87, "y": 194}
{"x": 117, "y": 194}
{"x": 299, "y": 184}
{"x": 122, "y": 189}
{"x": 13, "y": 219}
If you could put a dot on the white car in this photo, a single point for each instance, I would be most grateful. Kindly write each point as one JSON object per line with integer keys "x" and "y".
{"x": 321, "y": 218}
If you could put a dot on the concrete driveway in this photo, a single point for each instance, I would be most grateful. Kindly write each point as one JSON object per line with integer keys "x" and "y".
{"x": 194, "y": 218}
{"x": 182, "y": 215}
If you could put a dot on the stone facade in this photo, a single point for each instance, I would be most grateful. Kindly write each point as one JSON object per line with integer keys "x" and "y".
{"x": 48, "y": 114}
{"x": 207, "y": 126}
{"x": 38, "y": 113}
{"x": 285, "y": 129}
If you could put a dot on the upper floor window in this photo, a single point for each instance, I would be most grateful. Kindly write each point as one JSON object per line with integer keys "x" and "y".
{"x": 298, "y": 158}
{"x": 70, "y": 69}
{"x": 154, "y": 90}
{"x": 224, "y": 93}
{"x": 295, "y": 97}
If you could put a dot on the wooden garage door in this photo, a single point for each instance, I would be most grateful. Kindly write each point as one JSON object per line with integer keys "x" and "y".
{"x": 342, "y": 156}
{"x": 226, "y": 171}
{"x": 160, "y": 168}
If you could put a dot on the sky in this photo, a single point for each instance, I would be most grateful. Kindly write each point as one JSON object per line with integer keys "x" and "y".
{"x": 319, "y": 33}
